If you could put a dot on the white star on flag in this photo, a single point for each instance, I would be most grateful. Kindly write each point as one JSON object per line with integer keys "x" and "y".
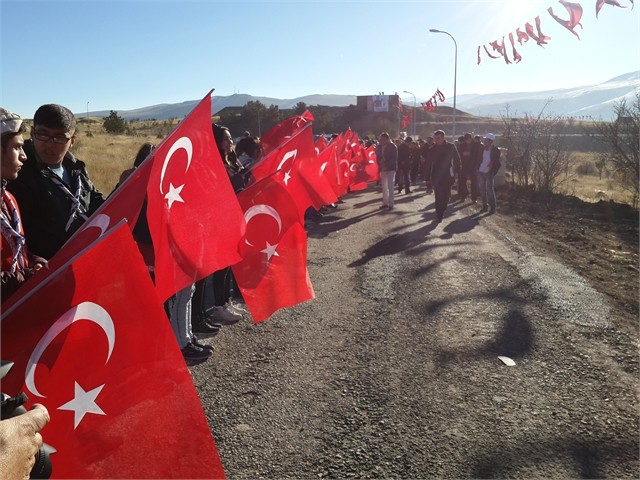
{"x": 286, "y": 178}
{"x": 83, "y": 403}
{"x": 270, "y": 251}
{"x": 173, "y": 195}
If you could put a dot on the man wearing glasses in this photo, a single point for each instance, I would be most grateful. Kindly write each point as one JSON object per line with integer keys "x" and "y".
{"x": 53, "y": 189}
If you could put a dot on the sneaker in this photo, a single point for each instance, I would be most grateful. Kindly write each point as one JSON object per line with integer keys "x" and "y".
{"x": 203, "y": 346}
{"x": 192, "y": 351}
{"x": 238, "y": 307}
{"x": 205, "y": 328}
{"x": 224, "y": 317}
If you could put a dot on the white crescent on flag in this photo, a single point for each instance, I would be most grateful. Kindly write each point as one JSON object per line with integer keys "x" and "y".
{"x": 85, "y": 311}
{"x": 262, "y": 209}
{"x": 173, "y": 195}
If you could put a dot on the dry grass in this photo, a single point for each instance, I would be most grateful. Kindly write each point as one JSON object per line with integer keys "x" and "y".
{"x": 592, "y": 188}
{"x": 107, "y": 156}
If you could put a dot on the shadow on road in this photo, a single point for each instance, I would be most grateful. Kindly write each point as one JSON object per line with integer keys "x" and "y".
{"x": 588, "y": 457}
{"x": 396, "y": 243}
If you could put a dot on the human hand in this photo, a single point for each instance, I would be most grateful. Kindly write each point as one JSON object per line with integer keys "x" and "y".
{"x": 20, "y": 441}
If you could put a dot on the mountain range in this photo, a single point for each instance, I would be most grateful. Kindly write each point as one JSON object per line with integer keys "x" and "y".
{"x": 595, "y": 101}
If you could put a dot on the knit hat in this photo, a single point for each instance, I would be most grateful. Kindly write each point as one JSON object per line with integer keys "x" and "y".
{"x": 9, "y": 122}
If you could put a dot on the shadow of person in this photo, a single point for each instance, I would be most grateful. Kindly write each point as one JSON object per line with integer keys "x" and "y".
{"x": 458, "y": 226}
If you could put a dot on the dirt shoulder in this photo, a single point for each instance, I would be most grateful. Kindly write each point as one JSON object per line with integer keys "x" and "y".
{"x": 597, "y": 240}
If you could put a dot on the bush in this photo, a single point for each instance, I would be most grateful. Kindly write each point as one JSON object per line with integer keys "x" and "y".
{"x": 586, "y": 168}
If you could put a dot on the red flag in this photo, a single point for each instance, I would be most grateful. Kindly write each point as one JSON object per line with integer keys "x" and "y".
{"x": 328, "y": 161}
{"x": 406, "y": 120}
{"x": 601, "y": 3}
{"x": 194, "y": 217}
{"x": 317, "y": 183}
{"x": 287, "y": 128}
{"x": 575, "y": 14}
{"x": 540, "y": 38}
{"x": 299, "y": 173}
{"x": 121, "y": 406}
{"x": 283, "y": 156}
{"x": 321, "y": 143}
{"x": 273, "y": 271}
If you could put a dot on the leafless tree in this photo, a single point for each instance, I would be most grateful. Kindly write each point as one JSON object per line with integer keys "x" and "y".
{"x": 550, "y": 156}
{"x": 622, "y": 136}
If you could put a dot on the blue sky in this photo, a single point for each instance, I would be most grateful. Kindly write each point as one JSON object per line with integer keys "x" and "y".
{"x": 121, "y": 55}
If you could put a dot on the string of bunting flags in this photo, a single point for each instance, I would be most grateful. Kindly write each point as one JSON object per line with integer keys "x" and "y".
{"x": 432, "y": 103}
{"x": 498, "y": 48}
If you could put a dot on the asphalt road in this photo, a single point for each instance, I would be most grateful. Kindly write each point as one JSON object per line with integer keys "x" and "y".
{"x": 393, "y": 370}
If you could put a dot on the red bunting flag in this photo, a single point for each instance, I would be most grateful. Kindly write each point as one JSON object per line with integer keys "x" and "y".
{"x": 194, "y": 217}
{"x": 575, "y": 14}
{"x": 121, "y": 406}
{"x": 273, "y": 272}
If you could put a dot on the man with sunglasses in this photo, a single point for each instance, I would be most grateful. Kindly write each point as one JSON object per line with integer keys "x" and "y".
{"x": 53, "y": 188}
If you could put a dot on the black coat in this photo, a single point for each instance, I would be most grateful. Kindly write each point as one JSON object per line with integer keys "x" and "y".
{"x": 45, "y": 207}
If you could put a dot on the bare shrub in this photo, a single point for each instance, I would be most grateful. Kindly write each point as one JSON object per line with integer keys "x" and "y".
{"x": 622, "y": 136}
{"x": 586, "y": 168}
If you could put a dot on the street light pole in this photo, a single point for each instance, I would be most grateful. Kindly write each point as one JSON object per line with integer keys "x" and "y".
{"x": 413, "y": 115}
{"x": 455, "y": 76}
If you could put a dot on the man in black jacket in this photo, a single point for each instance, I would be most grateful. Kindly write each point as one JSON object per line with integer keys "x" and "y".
{"x": 445, "y": 165}
{"x": 53, "y": 188}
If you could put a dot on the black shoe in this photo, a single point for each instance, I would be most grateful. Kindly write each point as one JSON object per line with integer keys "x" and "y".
{"x": 204, "y": 328}
{"x": 192, "y": 351}
{"x": 484, "y": 208}
{"x": 407, "y": 191}
{"x": 203, "y": 346}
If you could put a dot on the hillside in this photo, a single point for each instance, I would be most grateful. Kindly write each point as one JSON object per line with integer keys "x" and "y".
{"x": 595, "y": 101}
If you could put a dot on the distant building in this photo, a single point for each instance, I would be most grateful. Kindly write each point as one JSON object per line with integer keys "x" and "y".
{"x": 378, "y": 103}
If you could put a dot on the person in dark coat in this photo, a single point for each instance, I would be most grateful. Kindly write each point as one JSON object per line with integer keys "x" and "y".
{"x": 445, "y": 165}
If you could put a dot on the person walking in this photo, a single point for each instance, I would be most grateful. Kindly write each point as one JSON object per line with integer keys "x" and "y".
{"x": 445, "y": 164}
{"x": 404, "y": 165}
{"x": 387, "y": 155}
{"x": 487, "y": 171}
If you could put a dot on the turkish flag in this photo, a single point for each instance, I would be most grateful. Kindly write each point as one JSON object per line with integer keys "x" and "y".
{"x": 124, "y": 204}
{"x": 371, "y": 167}
{"x": 329, "y": 167}
{"x": 194, "y": 217}
{"x": 277, "y": 135}
{"x": 299, "y": 145}
{"x": 273, "y": 271}
{"x": 295, "y": 170}
{"x": 321, "y": 143}
{"x": 92, "y": 343}
{"x": 316, "y": 182}
{"x": 358, "y": 176}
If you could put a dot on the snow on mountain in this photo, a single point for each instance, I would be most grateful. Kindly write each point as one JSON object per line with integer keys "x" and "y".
{"x": 596, "y": 101}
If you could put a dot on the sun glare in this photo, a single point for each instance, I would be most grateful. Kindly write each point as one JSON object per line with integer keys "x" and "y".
{"x": 505, "y": 15}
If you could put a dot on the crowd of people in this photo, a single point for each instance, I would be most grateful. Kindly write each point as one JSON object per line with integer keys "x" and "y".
{"x": 472, "y": 162}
